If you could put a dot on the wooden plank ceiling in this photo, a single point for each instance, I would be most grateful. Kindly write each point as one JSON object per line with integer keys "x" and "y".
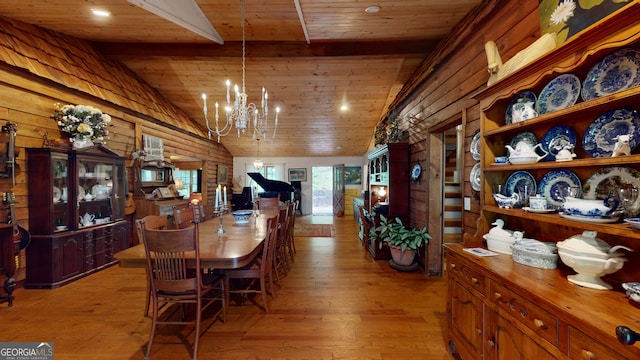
{"x": 347, "y": 57}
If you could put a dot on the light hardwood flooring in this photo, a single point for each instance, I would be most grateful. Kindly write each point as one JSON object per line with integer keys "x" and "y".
{"x": 336, "y": 303}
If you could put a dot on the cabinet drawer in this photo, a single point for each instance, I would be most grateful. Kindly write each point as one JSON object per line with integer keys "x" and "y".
{"x": 532, "y": 316}
{"x": 582, "y": 346}
{"x": 466, "y": 274}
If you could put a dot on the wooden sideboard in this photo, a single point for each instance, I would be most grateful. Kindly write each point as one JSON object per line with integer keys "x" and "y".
{"x": 499, "y": 309}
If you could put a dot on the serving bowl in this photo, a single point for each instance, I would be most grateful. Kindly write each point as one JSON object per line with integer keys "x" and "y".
{"x": 498, "y": 244}
{"x": 634, "y": 222}
{"x": 242, "y": 216}
{"x": 590, "y": 269}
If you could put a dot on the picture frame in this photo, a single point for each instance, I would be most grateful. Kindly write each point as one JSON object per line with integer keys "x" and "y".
{"x": 353, "y": 175}
{"x": 223, "y": 174}
{"x": 298, "y": 174}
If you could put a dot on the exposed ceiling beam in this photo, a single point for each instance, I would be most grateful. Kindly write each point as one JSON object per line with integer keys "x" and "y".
{"x": 264, "y": 49}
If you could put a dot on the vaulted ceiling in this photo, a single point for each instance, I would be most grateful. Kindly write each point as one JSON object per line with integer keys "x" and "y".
{"x": 312, "y": 56}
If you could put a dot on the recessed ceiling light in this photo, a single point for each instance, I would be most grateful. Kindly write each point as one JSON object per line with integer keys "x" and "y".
{"x": 102, "y": 13}
{"x": 372, "y": 9}
{"x": 344, "y": 107}
{"x": 338, "y": 147}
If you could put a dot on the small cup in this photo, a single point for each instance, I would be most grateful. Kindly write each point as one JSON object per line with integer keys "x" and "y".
{"x": 501, "y": 159}
{"x": 537, "y": 202}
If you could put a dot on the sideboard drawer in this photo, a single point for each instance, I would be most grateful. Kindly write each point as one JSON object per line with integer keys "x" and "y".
{"x": 467, "y": 275}
{"x": 532, "y": 316}
{"x": 583, "y": 346}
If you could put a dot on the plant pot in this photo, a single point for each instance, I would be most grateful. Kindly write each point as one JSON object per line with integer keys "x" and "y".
{"x": 402, "y": 258}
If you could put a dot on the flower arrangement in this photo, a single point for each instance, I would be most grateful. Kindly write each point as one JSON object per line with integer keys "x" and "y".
{"x": 82, "y": 120}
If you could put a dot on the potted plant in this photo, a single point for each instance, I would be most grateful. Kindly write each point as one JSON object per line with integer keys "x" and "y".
{"x": 402, "y": 242}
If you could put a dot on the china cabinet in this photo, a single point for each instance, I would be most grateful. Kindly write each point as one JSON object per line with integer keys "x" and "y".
{"x": 388, "y": 187}
{"x": 76, "y": 213}
{"x": 523, "y": 312}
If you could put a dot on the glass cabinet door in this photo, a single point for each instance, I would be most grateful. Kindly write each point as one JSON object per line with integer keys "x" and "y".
{"x": 95, "y": 192}
{"x": 60, "y": 174}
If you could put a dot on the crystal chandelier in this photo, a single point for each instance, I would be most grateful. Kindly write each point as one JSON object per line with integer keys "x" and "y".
{"x": 257, "y": 164}
{"x": 243, "y": 115}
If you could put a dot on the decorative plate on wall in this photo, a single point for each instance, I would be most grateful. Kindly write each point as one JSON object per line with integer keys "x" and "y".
{"x": 415, "y": 172}
{"x": 474, "y": 177}
{"x": 475, "y": 146}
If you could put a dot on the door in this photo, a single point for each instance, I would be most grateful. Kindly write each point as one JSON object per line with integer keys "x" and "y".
{"x": 338, "y": 189}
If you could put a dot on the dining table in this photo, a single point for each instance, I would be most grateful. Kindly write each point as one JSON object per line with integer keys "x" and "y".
{"x": 234, "y": 248}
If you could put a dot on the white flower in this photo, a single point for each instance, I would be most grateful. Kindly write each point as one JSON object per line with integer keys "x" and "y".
{"x": 563, "y": 12}
{"x": 84, "y": 120}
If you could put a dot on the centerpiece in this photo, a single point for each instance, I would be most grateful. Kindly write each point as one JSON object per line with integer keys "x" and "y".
{"x": 84, "y": 124}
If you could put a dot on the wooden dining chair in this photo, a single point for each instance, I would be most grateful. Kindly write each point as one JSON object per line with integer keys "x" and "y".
{"x": 260, "y": 272}
{"x": 186, "y": 215}
{"x": 150, "y": 222}
{"x": 269, "y": 203}
{"x": 291, "y": 245}
{"x": 366, "y": 226}
{"x": 173, "y": 263}
{"x": 281, "y": 263}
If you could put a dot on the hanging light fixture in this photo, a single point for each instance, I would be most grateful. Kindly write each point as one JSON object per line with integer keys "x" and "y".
{"x": 240, "y": 113}
{"x": 258, "y": 164}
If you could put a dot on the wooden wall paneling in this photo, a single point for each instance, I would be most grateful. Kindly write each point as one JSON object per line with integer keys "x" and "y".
{"x": 435, "y": 191}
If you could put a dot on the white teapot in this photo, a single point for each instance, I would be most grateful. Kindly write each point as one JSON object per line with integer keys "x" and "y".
{"x": 87, "y": 219}
{"x": 524, "y": 153}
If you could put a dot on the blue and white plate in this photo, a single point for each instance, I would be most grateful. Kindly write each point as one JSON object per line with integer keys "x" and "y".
{"x": 517, "y": 181}
{"x": 526, "y": 96}
{"x": 616, "y": 72}
{"x": 559, "y": 93}
{"x": 474, "y": 177}
{"x": 600, "y": 137}
{"x": 556, "y": 139}
{"x": 551, "y": 184}
{"x": 526, "y": 136}
{"x": 607, "y": 180}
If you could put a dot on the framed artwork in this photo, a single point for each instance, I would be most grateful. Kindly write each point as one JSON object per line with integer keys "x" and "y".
{"x": 298, "y": 174}
{"x": 223, "y": 174}
{"x": 352, "y": 175}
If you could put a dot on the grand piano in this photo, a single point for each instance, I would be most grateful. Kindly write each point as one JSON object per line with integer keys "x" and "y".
{"x": 274, "y": 188}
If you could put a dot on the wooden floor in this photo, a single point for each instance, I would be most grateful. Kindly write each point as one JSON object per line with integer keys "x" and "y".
{"x": 336, "y": 303}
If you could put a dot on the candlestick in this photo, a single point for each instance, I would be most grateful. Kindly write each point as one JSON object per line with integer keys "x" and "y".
{"x": 225, "y": 195}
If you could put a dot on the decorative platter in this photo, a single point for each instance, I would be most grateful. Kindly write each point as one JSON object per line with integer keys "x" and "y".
{"x": 600, "y": 137}
{"x": 590, "y": 219}
{"x": 516, "y": 182}
{"x": 526, "y": 96}
{"x": 559, "y": 93}
{"x": 616, "y": 72}
{"x": 526, "y": 136}
{"x": 606, "y": 180}
{"x": 474, "y": 178}
{"x": 556, "y": 139}
{"x": 415, "y": 172}
{"x": 475, "y": 146}
{"x": 551, "y": 183}
{"x": 538, "y": 211}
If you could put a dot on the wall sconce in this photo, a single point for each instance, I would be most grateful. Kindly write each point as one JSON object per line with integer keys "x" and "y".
{"x": 382, "y": 192}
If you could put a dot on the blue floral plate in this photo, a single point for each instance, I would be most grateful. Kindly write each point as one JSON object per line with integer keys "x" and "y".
{"x": 616, "y": 72}
{"x": 517, "y": 181}
{"x": 551, "y": 184}
{"x": 556, "y": 139}
{"x": 559, "y": 93}
{"x": 526, "y": 96}
{"x": 600, "y": 137}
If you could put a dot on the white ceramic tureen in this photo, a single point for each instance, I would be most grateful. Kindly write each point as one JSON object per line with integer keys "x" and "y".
{"x": 591, "y": 258}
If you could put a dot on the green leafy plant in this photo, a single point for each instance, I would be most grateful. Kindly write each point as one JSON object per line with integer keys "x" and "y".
{"x": 394, "y": 233}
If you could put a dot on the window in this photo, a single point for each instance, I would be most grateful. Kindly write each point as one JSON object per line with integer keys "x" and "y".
{"x": 190, "y": 179}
